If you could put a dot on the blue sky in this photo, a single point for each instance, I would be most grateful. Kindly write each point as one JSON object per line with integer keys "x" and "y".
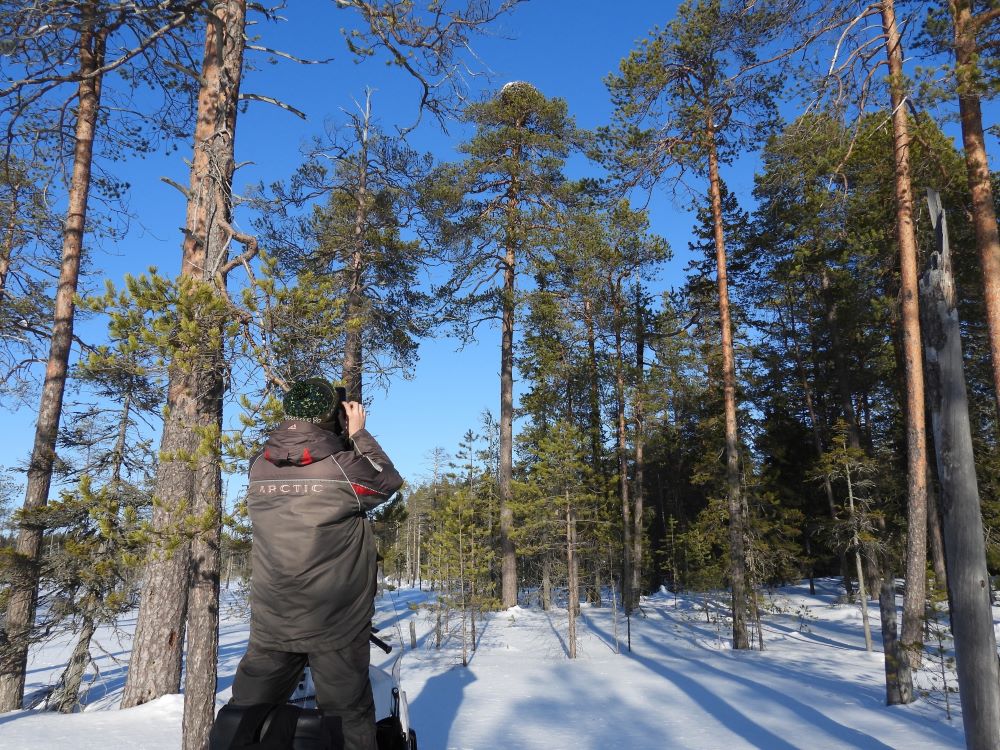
{"x": 564, "y": 47}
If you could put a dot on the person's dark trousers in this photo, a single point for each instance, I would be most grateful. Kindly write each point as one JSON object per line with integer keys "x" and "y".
{"x": 340, "y": 677}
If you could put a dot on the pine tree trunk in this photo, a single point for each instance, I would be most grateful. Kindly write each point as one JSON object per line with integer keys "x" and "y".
{"x": 67, "y": 695}
{"x": 465, "y": 603}
{"x": 984, "y": 218}
{"x": 737, "y": 555}
{"x": 914, "y": 602}
{"x": 968, "y": 578}
{"x": 202, "y": 652}
{"x": 420, "y": 570}
{"x": 9, "y": 237}
{"x": 196, "y": 393}
{"x": 638, "y": 516}
{"x": 935, "y": 537}
{"x": 620, "y": 428}
{"x": 473, "y": 600}
{"x": 593, "y": 390}
{"x": 573, "y": 603}
{"x": 354, "y": 315}
{"x": 410, "y": 536}
{"x": 23, "y": 592}
{"x": 508, "y": 561}
{"x": 208, "y": 223}
{"x": 157, "y": 646}
{"x": 546, "y": 584}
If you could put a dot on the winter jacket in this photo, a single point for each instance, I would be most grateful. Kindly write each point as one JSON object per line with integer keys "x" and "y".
{"x": 313, "y": 581}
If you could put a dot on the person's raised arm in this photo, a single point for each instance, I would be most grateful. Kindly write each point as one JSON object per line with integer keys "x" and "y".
{"x": 374, "y": 477}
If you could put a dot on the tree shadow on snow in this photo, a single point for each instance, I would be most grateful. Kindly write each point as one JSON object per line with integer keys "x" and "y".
{"x": 869, "y": 695}
{"x": 433, "y": 711}
{"x": 557, "y": 633}
{"x": 731, "y": 717}
{"x": 579, "y": 714}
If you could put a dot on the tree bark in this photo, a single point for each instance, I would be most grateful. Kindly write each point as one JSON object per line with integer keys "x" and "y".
{"x": 209, "y": 217}
{"x": 508, "y": 555}
{"x": 546, "y": 584}
{"x": 191, "y": 469}
{"x": 593, "y": 390}
{"x": 968, "y": 578}
{"x": 353, "y": 351}
{"x": 638, "y": 518}
{"x": 737, "y": 555}
{"x": 628, "y": 592}
{"x": 23, "y": 592}
{"x": 935, "y": 535}
{"x": 898, "y": 679}
{"x": 10, "y": 235}
{"x": 914, "y": 601}
{"x": 573, "y": 599}
{"x": 67, "y": 695}
{"x": 155, "y": 665}
{"x": 984, "y": 218}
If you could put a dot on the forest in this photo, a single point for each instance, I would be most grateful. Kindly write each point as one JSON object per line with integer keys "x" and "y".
{"x": 817, "y": 398}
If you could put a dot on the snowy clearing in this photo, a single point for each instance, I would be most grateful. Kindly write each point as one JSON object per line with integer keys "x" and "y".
{"x": 681, "y": 686}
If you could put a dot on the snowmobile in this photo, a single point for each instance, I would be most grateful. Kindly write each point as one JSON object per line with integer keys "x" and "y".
{"x": 299, "y": 725}
{"x": 392, "y": 716}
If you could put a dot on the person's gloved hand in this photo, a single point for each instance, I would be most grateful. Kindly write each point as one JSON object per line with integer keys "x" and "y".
{"x": 355, "y": 415}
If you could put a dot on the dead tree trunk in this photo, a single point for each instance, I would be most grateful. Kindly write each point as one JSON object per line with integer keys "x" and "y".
{"x": 23, "y": 593}
{"x": 968, "y": 579}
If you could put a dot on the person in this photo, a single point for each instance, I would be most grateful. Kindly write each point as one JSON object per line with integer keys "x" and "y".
{"x": 313, "y": 579}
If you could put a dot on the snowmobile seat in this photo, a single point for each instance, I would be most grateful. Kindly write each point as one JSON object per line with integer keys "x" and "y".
{"x": 265, "y": 726}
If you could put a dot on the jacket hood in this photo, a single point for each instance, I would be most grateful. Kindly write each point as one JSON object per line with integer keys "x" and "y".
{"x": 297, "y": 443}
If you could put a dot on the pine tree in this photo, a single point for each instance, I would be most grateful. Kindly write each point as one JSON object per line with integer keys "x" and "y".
{"x": 80, "y": 39}
{"x": 969, "y": 30}
{"x": 189, "y": 477}
{"x": 351, "y": 251}
{"x": 690, "y": 97}
{"x": 490, "y": 208}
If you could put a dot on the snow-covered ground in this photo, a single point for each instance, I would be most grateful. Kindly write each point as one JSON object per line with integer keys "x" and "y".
{"x": 814, "y": 686}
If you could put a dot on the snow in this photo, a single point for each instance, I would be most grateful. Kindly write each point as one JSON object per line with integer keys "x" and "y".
{"x": 814, "y": 686}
